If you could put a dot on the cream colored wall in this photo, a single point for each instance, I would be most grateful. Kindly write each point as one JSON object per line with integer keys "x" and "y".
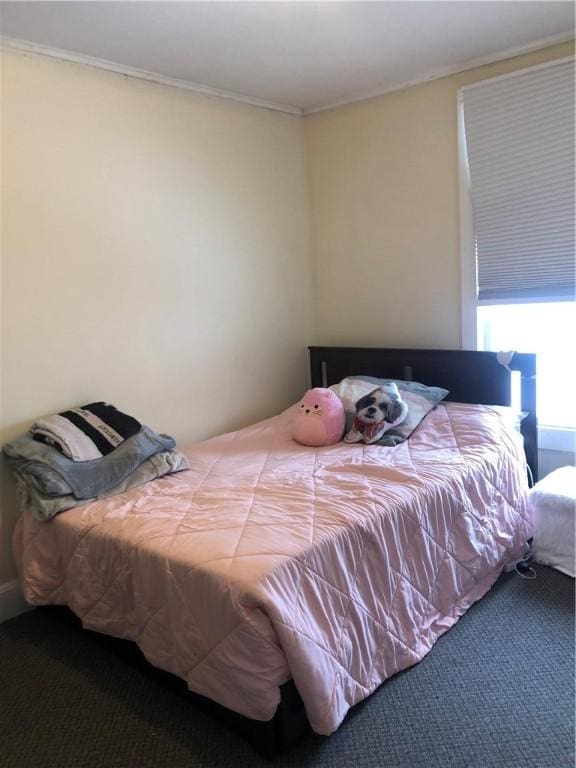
{"x": 384, "y": 185}
{"x": 155, "y": 254}
{"x": 155, "y": 244}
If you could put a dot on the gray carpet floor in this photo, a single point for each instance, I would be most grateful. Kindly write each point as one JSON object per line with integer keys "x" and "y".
{"x": 497, "y": 691}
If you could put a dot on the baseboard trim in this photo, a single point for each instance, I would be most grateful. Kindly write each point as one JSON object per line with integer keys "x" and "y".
{"x": 12, "y": 601}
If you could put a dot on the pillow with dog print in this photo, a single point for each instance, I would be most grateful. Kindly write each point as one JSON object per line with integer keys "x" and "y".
{"x": 419, "y": 400}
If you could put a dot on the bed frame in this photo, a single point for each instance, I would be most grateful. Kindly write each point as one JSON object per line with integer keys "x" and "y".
{"x": 471, "y": 377}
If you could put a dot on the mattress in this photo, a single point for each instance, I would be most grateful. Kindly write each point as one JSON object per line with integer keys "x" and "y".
{"x": 335, "y": 567}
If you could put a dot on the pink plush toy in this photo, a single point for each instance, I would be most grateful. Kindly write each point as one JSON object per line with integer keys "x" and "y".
{"x": 319, "y": 419}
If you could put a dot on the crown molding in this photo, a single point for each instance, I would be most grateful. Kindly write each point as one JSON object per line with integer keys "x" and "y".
{"x": 25, "y": 47}
{"x": 439, "y": 74}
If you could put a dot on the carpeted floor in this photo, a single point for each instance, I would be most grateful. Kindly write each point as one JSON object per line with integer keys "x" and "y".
{"x": 496, "y": 692}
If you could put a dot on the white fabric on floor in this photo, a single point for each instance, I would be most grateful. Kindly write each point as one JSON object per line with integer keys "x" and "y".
{"x": 553, "y": 505}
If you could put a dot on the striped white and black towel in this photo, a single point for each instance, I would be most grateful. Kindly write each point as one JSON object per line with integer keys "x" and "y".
{"x": 86, "y": 433}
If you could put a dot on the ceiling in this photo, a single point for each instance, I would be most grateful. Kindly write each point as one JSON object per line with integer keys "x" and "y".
{"x": 298, "y": 56}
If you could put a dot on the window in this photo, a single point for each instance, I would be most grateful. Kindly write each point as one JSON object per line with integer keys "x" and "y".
{"x": 549, "y": 330}
{"x": 517, "y": 175}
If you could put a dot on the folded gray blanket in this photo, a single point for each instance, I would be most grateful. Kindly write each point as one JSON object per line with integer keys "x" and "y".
{"x": 52, "y": 474}
{"x": 46, "y": 507}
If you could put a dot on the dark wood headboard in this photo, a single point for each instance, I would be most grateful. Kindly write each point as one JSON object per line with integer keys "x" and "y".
{"x": 471, "y": 377}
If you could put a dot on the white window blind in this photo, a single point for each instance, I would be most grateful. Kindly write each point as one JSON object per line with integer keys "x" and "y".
{"x": 520, "y": 148}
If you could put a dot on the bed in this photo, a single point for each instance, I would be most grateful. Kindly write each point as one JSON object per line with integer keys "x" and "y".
{"x": 286, "y": 583}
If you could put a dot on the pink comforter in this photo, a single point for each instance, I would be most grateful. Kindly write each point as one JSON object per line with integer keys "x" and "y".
{"x": 336, "y": 567}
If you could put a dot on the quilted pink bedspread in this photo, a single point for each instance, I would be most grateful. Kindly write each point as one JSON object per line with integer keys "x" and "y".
{"x": 336, "y": 567}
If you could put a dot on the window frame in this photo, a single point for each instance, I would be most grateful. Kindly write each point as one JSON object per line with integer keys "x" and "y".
{"x": 550, "y": 438}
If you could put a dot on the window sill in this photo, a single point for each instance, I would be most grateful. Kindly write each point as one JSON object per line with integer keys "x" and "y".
{"x": 557, "y": 439}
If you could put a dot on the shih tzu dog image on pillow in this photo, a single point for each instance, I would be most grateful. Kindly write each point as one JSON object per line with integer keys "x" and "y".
{"x": 376, "y": 413}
